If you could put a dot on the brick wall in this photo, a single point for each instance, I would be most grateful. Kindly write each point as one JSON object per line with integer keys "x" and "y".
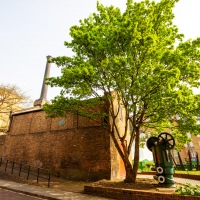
{"x": 196, "y": 144}
{"x": 75, "y": 147}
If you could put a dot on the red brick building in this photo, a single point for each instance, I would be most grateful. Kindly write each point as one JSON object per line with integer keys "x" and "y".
{"x": 74, "y": 146}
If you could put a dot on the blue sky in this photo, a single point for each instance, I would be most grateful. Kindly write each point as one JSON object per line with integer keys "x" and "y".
{"x": 31, "y": 30}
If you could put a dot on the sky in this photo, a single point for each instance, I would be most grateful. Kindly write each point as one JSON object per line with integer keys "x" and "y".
{"x": 31, "y": 30}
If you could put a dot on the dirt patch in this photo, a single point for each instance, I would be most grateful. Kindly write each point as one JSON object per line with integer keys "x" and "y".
{"x": 141, "y": 184}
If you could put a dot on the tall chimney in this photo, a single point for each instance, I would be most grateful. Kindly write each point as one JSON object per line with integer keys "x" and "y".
{"x": 43, "y": 96}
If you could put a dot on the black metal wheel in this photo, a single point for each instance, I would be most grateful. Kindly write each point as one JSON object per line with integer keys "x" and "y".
{"x": 152, "y": 141}
{"x": 166, "y": 141}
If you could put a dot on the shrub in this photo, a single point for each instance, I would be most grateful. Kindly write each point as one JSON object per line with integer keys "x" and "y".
{"x": 149, "y": 164}
{"x": 188, "y": 189}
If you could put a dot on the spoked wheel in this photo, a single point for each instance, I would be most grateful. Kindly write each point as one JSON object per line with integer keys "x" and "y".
{"x": 151, "y": 142}
{"x": 166, "y": 141}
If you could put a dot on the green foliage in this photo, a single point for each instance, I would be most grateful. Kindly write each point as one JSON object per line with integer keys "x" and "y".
{"x": 139, "y": 54}
{"x": 149, "y": 164}
{"x": 193, "y": 172}
{"x": 189, "y": 189}
{"x": 145, "y": 165}
{"x": 133, "y": 53}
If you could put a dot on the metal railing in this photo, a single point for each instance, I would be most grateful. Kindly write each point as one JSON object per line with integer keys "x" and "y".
{"x": 28, "y": 170}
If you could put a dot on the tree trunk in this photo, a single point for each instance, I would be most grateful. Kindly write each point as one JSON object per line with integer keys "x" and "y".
{"x": 190, "y": 160}
{"x": 131, "y": 171}
{"x": 181, "y": 163}
{"x": 136, "y": 154}
{"x": 197, "y": 159}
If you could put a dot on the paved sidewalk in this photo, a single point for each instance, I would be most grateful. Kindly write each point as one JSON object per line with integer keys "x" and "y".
{"x": 66, "y": 192}
{"x": 177, "y": 180}
{"x": 47, "y": 193}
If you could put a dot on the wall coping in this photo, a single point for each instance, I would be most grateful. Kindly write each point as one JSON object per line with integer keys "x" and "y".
{"x": 27, "y": 110}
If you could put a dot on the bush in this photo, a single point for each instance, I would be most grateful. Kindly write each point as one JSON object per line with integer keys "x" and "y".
{"x": 189, "y": 189}
{"x": 149, "y": 164}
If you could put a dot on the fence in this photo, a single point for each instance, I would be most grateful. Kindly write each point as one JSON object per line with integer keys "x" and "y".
{"x": 28, "y": 170}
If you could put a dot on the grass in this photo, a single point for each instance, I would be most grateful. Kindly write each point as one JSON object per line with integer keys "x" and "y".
{"x": 194, "y": 172}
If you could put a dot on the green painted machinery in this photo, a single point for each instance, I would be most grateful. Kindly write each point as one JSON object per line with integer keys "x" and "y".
{"x": 160, "y": 147}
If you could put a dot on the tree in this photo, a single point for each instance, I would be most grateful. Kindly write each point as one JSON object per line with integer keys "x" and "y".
{"x": 141, "y": 55}
{"x": 11, "y": 99}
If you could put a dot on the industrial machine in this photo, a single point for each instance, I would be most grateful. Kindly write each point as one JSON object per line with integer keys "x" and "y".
{"x": 164, "y": 166}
